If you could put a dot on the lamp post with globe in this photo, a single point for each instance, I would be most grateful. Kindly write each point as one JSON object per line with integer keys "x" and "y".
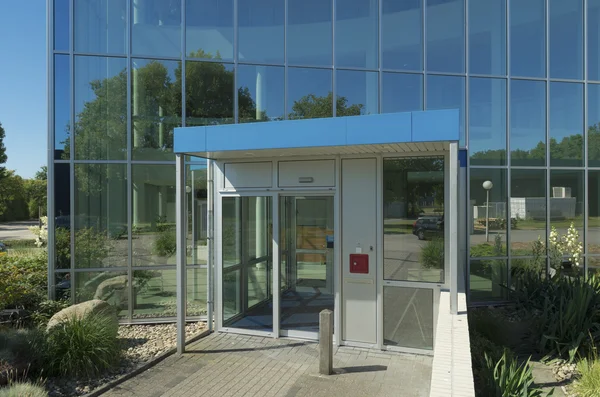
{"x": 487, "y": 185}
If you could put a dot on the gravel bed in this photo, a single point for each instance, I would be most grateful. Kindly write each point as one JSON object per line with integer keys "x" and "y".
{"x": 140, "y": 343}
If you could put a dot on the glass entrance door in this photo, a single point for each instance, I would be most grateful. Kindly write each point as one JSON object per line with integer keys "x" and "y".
{"x": 307, "y": 261}
{"x": 247, "y": 263}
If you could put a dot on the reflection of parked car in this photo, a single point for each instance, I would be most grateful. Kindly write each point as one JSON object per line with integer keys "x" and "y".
{"x": 427, "y": 226}
{"x": 2, "y": 249}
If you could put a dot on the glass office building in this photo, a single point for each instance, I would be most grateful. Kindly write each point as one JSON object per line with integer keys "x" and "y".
{"x": 123, "y": 74}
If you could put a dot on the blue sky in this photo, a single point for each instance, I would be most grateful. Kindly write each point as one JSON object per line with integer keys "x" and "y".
{"x": 23, "y": 110}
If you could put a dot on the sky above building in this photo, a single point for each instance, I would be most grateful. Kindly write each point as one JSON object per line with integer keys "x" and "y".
{"x": 23, "y": 105}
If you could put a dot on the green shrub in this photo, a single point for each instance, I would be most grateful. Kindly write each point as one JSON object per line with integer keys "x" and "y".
{"x": 25, "y": 389}
{"x": 165, "y": 244}
{"x": 432, "y": 254}
{"x": 15, "y": 244}
{"x": 21, "y": 351}
{"x": 46, "y": 309}
{"x": 82, "y": 347}
{"x": 507, "y": 378}
{"x": 588, "y": 383}
{"x": 23, "y": 280}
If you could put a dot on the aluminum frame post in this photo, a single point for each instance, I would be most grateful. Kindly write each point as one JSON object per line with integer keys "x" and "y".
{"x": 181, "y": 251}
{"x": 453, "y": 226}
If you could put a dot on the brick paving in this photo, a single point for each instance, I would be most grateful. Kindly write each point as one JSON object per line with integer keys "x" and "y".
{"x": 237, "y": 365}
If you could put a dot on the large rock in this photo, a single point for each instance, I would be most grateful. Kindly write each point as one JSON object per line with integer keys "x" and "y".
{"x": 84, "y": 310}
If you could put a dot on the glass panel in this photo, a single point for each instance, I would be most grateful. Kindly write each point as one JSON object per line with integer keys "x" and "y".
{"x": 488, "y": 280}
{"x": 209, "y": 28}
{"x": 527, "y": 35}
{"x": 111, "y": 287}
{"x": 247, "y": 262}
{"x": 153, "y": 215}
{"x": 566, "y": 218}
{"x": 446, "y": 36}
{"x": 309, "y": 93}
{"x": 593, "y": 263}
{"x": 357, "y": 93}
{"x": 593, "y": 38}
{"x": 260, "y": 93}
{"x": 528, "y": 122}
{"x": 156, "y": 107}
{"x": 156, "y": 28}
{"x": 402, "y": 34}
{"x": 447, "y": 92}
{"x": 100, "y": 26}
{"x": 209, "y": 88}
{"x": 487, "y": 37}
{"x": 309, "y": 32}
{"x": 413, "y": 213}
{"x": 100, "y": 108}
{"x": 307, "y": 257}
{"x": 487, "y": 121}
{"x": 593, "y": 127}
{"x": 62, "y": 106}
{"x": 260, "y": 22}
{"x": 62, "y": 286}
{"x": 527, "y": 210}
{"x": 356, "y": 30}
{"x": 197, "y": 212}
{"x": 62, "y": 216}
{"x": 61, "y": 25}
{"x": 488, "y": 228}
{"x": 100, "y": 216}
{"x": 155, "y": 293}
{"x": 566, "y": 39}
{"x": 408, "y": 317}
{"x": 401, "y": 92}
{"x": 593, "y": 234}
{"x": 566, "y": 124}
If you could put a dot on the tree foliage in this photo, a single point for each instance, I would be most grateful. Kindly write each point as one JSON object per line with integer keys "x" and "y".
{"x": 312, "y": 106}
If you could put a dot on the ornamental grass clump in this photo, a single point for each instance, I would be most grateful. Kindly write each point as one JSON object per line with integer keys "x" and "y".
{"x": 83, "y": 347}
{"x": 23, "y": 389}
{"x": 588, "y": 382}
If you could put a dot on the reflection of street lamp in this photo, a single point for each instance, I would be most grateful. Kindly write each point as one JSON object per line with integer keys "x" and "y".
{"x": 487, "y": 185}
{"x": 188, "y": 189}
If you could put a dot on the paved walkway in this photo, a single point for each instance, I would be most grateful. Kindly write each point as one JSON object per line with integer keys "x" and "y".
{"x": 237, "y": 365}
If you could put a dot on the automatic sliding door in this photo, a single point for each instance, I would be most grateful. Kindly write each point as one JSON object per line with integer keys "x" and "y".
{"x": 306, "y": 241}
{"x": 247, "y": 262}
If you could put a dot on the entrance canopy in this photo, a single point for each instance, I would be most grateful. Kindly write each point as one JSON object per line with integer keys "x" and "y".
{"x": 425, "y": 131}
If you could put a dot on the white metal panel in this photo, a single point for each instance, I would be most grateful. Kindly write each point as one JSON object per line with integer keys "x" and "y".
{"x": 319, "y": 173}
{"x": 245, "y": 175}
{"x": 359, "y": 220}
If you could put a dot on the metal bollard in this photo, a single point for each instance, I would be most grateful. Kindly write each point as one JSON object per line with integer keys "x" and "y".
{"x": 326, "y": 342}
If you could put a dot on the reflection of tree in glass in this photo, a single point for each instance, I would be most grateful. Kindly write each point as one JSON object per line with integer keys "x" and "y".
{"x": 312, "y": 106}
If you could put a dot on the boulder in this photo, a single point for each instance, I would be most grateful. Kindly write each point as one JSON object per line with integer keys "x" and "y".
{"x": 84, "y": 310}
{"x": 114, "y": 290}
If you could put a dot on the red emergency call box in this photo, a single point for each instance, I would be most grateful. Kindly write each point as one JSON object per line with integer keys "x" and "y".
{"x": 359, "y": 263}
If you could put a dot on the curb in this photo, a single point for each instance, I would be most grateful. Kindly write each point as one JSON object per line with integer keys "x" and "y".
{"x": 107, "y": 386}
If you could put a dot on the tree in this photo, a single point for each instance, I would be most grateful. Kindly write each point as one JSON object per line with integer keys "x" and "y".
{"x": 3, "y": 156}
{"x": 6, "y": 192}
{"x": 42, "y": 174}
{"x": 13, "y": 203}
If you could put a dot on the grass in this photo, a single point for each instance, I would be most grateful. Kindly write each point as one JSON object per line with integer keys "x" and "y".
{"x": 23, "y": 389}
{"x": 588, "y": 384}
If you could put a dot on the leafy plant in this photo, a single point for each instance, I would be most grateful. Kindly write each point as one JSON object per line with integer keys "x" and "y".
{"x": 46, "y": 309}
{"x": 23, "y": 389}
{"x": 92, "y": 247}
{"x": 588, "y": 383}
{"x": 21, "y": 351}
{"x": 165, "y": 244}
{"x": 432, "y": 254}
{"x": 23, "y": 280}
{"x": 83, "y": 347}
{"x": 507, "y": 378}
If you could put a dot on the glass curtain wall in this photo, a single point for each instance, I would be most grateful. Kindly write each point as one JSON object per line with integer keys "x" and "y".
{"x": 127, "y": 72}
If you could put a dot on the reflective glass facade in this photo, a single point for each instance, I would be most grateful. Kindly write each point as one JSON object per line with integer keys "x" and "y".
{"x": 525, "y": 76}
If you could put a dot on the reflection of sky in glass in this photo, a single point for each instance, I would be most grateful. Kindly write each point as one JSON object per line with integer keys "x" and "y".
{"x": 359, "y": 88}
{"x": 445, "y": 36}
{"x": 593, "y": 38}
{"x": 401, "y": 34}
{"x": 303, "y": 82}
{"x": 402, "y": 92}
{"x": 487, "y": 116}
{"x": 309, "y": 33}
{"x": 447, "y": 92}
{"x": 487, "y": 37}
{"x": 566, "y": 120}
{"x": 100, "y": 26}
{"x": 156, "y": 28}
{"x": 61, "y": 25}
{"x": 269, "y": 79}
{"x": 356, "y": 33}
{"x": 528, "y": 44}
{"x": 566, "y": 39}
{"x": 209, "y": 27}
{"x": 527, "y": 114}
{"x": 261, "y": 31}
{"x": 62, "y": 100}
{"x": 90, "y": 69}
